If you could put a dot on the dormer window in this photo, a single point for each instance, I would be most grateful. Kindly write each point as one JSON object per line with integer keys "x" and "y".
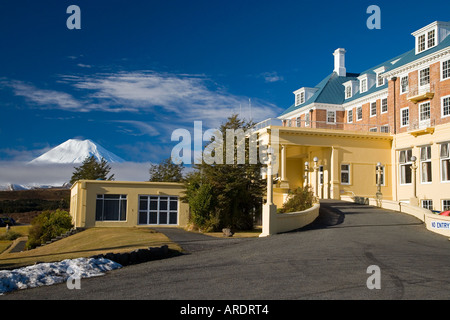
{"x": 380, "y": 78}
{"x": 299, "y": 98}
{"x": 431, "y": 35}
{"x": 431, "y": 38}
{"x": 363, "y": 85}
{"x": 348, "y": 92}
{"x": 351, "y": 88}
{"x": 303, "y": 94}
{"x": 426, "y": 40}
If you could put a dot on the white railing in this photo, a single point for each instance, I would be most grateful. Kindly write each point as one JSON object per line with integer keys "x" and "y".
{"x": 298, "y": 123}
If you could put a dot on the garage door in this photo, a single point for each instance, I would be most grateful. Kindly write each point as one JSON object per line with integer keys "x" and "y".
{"x": 158, "y": 209}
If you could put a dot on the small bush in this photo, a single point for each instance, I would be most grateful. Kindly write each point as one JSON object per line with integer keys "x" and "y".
{"x": 10, "y": 235}
{"x": 299, "y": 200}
{"x": 48, "y": 225}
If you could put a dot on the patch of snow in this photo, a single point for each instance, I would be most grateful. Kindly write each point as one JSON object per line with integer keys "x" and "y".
{"x": 76, "y": 151}
{"x": 44, "y": 274}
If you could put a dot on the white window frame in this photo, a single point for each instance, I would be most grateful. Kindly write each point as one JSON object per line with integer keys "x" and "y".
{"x": 119, "y": 199}
{"x": 347, "y": 171}
{"x": 425, "y": 161}
{"x": 406, "y": 89}
{"x": 447, "y": 70}
{"x": 363, "y": 85}
{"x": 426, "y": 39}
{"x": 407, "y": 163}
{"x": 373, "y": 129}
{"x": 443, "y": 99}
{"x": 419, "y": 77}
{"x": 348, "y": 92}
{"x": 358, "y": 113}
{"x": 419, "y": 43}
{"x": 401, "y": 117}
{"x": 434, "y": 38}
{"x": 444, "y": 160}
{"x": 445, "y": 203}
{"x": 426, "y": 203}
{"x": 158, "y": 209}
{"x": 384, "y": 128}
{"x": 300, "y": 98}
{"x": 334, "y": 116}
{"x": 380, "y": 80}
{"x": 381, "y": 107}
{"x": 423, "y": 113}
{"x": 350, "y": 116}
{"x": 372, "y": 114}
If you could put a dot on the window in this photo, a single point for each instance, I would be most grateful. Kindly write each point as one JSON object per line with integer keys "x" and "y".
{"x": 424, "y": 112}
{"x": 381, "y": 176}
{"x": 431, "y": 38}
{"x": 158, "y": 209}
{"x": 404, "y": 114}
{"x": 404, "y": 84}
{"x": 445, "y": 205}
{"x": 425, "y": 164}
{"x": 445, "y": 69}
{"x": 424, "y": 76}
{"x": 427, "y": 204}
{"x": 350, "y": 116}
{"x": 373, "y": 109}
{"x": 405, "y": 166}
{"x": 445, "y": 162}
{"x": 359, "y": 114}
{"x": 111, "y": 207}
{"x": 321, "y": 175}
{"x": 445, "y": 106}
{"x": 331, "y": 116}
{"x": 299, "y": 122}
{"x": 299, "y": 98}
{"x": 380, "y": 80}
{"x": 421, "y": 43}
{"x": 384, "y": 105}
{"x": 307, "y": 119}
{"x": 345, "y": 174}
{"x": 363, "y": 85}
{"x": 384, "y": 128}
{"x": 374, "y": 129}
{"x": 348, "y": 92}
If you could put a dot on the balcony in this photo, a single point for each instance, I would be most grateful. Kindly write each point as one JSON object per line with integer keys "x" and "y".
{"x": 421, "y": 93}
{"x": 421, "y": 127}
{"x": 299, "y": 123}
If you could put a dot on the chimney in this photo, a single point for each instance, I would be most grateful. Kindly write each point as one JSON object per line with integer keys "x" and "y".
{"x": 339, "y": 62}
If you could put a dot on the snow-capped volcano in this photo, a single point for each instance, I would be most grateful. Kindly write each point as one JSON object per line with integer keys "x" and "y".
{"x": 75, "y": 151}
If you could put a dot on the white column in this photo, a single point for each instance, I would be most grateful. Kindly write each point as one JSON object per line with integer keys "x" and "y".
{"x": 284, "y": 182}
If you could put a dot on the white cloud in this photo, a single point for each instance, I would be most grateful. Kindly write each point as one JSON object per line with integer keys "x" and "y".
{"x": 47, "y": 98}
{"x": 272, "y": 77}
{"x": 185, "y": 97}
{"x": 21, "y": 173}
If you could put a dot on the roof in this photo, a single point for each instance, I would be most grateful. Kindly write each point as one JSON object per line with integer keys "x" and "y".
{"x": 330, "y": 90}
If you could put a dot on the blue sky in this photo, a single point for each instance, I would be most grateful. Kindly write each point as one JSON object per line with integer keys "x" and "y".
{"x": 137, "y": 70}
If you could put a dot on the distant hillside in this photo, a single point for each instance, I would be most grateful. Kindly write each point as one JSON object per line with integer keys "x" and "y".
{"x": 24, "y": 205}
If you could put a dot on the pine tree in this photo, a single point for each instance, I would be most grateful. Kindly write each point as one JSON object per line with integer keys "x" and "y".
{"x": 237, "y": 189}
{"x": 166, "y": 171}
{"x": 92, "y": 169}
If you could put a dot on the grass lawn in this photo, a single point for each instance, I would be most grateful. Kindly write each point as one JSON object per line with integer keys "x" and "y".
{"x": 87, "y": 243}
{"x": 4, "y": 244}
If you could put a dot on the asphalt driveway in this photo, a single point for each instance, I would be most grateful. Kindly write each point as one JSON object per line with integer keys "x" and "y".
{"x": 326, "y": 260}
